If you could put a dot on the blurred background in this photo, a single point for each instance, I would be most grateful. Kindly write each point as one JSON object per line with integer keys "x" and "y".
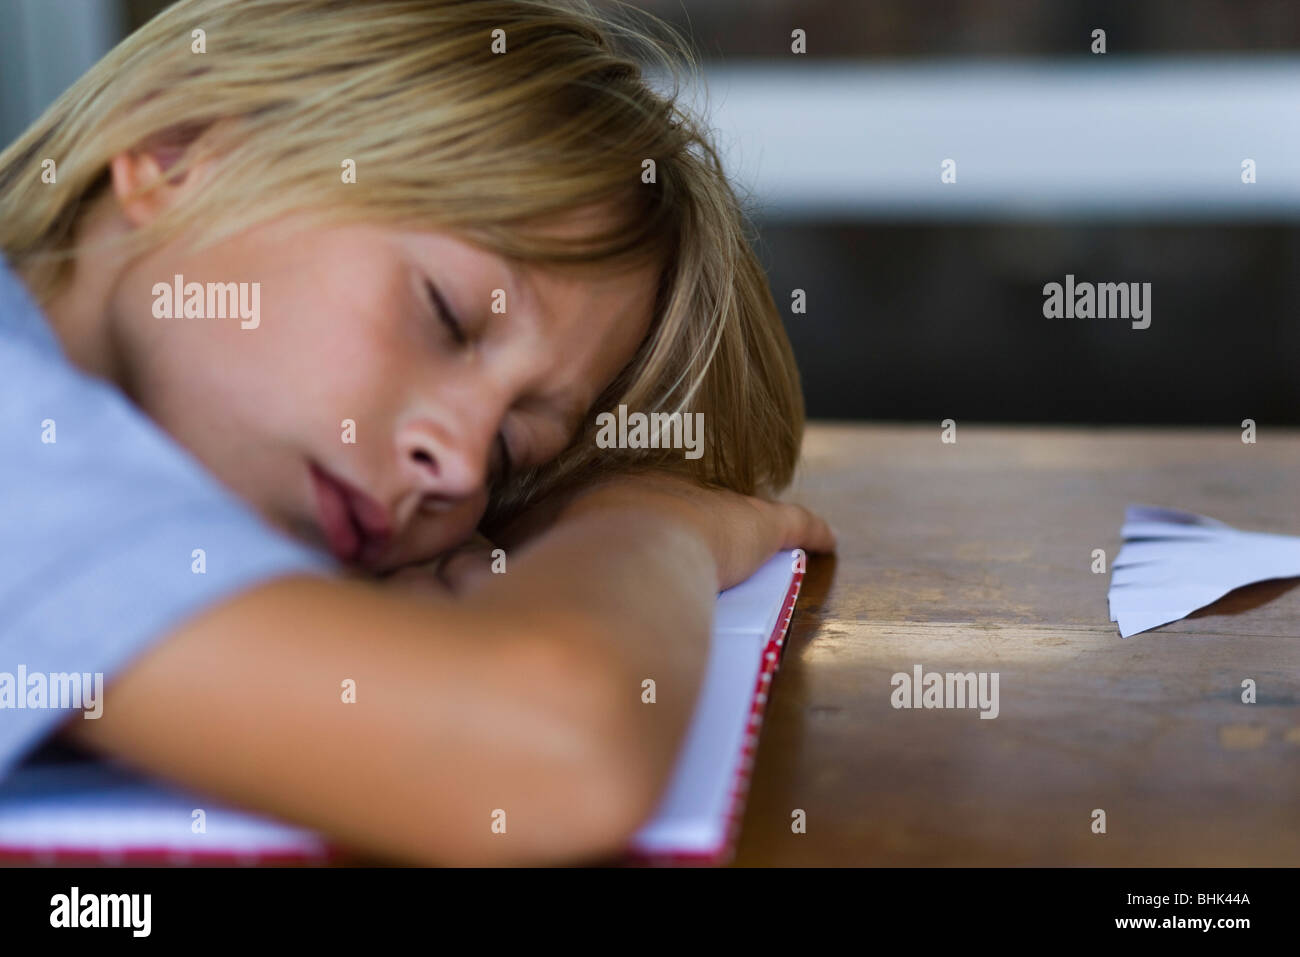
{"x": 924, "y": 298}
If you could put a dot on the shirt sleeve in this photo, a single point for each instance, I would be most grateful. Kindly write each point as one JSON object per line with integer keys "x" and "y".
{"x": 111, "y": 535}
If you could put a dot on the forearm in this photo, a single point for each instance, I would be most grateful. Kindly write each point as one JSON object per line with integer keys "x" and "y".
{"x": 638, "y": 587}
{"x": 452, "y": 718}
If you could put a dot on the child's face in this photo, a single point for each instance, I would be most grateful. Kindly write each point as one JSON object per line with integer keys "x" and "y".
{"x": 351, "y": 415}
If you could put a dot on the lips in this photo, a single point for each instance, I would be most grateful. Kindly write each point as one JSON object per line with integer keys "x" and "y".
{"x": 355, "y": 525}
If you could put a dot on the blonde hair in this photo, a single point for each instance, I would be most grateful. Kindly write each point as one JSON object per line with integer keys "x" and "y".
{"x": 449, "y": 134}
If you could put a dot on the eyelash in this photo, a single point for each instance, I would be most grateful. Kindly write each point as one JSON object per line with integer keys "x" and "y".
{"x": 458, "y": 333}
{"x": 444, "y": 314}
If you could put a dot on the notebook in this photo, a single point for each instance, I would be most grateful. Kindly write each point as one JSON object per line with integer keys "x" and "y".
{"x": 83, "y": 810}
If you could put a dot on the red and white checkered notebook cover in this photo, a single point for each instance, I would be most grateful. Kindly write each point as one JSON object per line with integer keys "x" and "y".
{"x": 699, "y": 817}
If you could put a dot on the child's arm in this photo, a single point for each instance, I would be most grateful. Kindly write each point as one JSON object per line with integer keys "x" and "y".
{"x": 524, "y": 696}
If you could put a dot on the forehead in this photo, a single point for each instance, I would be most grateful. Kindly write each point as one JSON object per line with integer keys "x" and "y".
{"x": 592, "y": 320}
{"x": 605, "y": 282}
{"x": 563, "y": 297}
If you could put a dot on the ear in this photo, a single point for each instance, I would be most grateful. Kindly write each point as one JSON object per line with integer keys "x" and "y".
{"x": 141, "y": 184}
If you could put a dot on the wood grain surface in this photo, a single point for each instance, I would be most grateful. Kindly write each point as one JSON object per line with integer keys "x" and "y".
{"x": 976, "y": 557}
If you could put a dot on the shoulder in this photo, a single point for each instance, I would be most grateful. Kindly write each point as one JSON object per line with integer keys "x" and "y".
{"x": 22, "y": 324}
{"x": 112, "y": 532}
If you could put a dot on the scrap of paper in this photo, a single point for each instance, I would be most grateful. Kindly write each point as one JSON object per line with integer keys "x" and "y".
{"x": 1173, "y": 563}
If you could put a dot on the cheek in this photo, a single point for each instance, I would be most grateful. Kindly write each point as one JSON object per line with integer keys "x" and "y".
{"x": 319, "y": 358}
{"x": 314, "y": 379}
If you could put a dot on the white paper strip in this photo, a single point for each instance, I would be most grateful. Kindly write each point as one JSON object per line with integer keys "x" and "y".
{"x": 1173, "y": 563}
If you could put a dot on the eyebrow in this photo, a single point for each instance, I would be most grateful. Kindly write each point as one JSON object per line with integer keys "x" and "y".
{"x": 518, "y": 286}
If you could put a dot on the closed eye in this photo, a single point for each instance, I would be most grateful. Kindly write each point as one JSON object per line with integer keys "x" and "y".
{"x": 505, "y": 465}
{"x": 445, "y": 315}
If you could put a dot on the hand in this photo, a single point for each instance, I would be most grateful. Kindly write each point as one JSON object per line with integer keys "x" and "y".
{"x": 454, "y": 572}
{"x": 740, "y": 531}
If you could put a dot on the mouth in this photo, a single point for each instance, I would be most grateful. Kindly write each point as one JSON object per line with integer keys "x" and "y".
{"x": 356, "y": 527}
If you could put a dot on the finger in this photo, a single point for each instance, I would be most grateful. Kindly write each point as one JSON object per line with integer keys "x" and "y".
{"x": 808, "y": 530}
{"x": 417, "y": 580}
{"x": 465, "y": 568}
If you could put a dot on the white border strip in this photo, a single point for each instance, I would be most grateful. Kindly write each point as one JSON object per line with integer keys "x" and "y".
{"x": 1100, "y": 137}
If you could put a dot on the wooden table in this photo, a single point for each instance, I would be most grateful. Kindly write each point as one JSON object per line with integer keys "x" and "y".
{"x": 976, "y": 556}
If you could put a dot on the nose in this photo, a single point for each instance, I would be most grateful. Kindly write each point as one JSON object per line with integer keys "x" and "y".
{"x": 446, "y": 459}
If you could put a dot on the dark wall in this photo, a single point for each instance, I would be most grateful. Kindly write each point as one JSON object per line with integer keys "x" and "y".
{"x": 933, "y": 321}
